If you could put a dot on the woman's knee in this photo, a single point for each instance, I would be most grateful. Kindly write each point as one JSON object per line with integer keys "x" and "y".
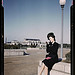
{"x": 46, "y": 67}
{"x": 43, "y": 64}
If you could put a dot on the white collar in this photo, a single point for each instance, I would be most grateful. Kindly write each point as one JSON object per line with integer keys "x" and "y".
{"x": 53, "y": 42}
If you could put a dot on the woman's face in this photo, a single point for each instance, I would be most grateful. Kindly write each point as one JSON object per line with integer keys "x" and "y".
{"x": 51, "y": 39}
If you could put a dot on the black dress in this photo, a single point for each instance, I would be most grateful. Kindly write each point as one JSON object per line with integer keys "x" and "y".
{"x": 52, "y": 50}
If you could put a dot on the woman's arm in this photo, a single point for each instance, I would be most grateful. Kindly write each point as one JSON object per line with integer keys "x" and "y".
{"x": 52, "y": 49}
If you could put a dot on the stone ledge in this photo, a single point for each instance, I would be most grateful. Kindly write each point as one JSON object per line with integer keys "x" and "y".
{"x": 11, "y": 52}
{"x": 63, "y": 67}
{"x": 32, "y": 48}
{"x": 55, "y": 72}
{"x": 59, "y": 68}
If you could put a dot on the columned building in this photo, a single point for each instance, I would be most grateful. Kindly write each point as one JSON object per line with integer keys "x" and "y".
{"x": 32, "y": 41}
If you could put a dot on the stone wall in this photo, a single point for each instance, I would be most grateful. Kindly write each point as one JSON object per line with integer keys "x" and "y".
{"x": 9, "y": 52}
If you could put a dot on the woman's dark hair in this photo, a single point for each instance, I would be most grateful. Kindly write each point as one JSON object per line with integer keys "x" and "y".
{"x": 51, "y": 35}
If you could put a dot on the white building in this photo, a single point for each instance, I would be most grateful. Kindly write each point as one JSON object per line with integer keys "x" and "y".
{"x": 14, "y": 42}
{"x": 32, "y": 41}
{"x": 43, "y": 44}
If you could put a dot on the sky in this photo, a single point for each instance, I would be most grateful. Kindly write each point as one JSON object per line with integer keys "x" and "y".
{"x": 35, "y": 19}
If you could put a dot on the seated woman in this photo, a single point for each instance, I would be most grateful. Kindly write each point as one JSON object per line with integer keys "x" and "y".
{"x": 52, "y": 56}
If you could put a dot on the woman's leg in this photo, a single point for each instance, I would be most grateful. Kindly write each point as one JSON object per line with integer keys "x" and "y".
{"x": 42, "y": 68}
{"x": 46, "y": 70}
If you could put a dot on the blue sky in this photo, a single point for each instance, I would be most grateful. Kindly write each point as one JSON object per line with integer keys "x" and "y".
{"x": 35, "y": 19}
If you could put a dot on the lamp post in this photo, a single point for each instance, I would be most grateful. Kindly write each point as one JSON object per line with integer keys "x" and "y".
{"x": 62, "y": 3}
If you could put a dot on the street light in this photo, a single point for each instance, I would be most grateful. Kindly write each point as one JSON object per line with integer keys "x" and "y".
{"x": 62, "y": 3}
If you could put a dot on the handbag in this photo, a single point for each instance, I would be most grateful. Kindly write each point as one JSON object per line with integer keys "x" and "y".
{"x": 48, "y": 58}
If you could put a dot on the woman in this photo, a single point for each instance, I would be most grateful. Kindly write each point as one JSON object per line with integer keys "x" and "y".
{"x": 51, "y": 57}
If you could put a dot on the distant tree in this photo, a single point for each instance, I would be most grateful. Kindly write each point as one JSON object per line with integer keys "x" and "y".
{"x": 68, "y": 57}
{"x": 11, "y": 46}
